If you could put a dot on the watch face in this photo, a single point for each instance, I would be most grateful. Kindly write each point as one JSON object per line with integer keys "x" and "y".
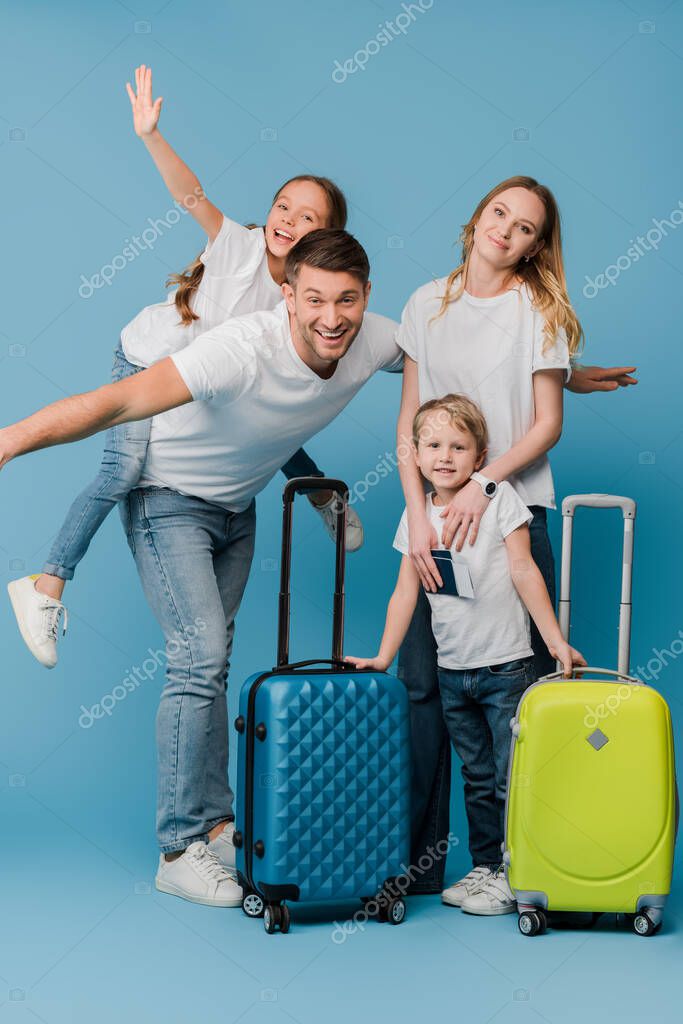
{"x": 490, "y": 489}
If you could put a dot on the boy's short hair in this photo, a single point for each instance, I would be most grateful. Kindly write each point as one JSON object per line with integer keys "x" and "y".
{"x": 328, "y": 249}
{"x": 461, "y": 412}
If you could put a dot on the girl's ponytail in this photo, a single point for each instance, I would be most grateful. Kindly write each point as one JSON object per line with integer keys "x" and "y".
{"x": 188, "y": 281}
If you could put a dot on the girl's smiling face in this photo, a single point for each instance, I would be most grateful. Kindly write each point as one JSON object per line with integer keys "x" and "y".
{"x": 301, "y": 207}
{"x": 510, "y": 227}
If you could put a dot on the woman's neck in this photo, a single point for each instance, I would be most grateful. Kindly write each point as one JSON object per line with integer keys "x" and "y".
{"x": 485, "y": 281}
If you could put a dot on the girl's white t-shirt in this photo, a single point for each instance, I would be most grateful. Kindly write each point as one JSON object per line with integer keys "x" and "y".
{"x": 236, "y": 281}
{"x": 487, "y": 349}
{"x": 493, "y": 626}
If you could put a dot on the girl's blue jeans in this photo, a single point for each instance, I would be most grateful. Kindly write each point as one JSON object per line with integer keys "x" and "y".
{"x": 125, "y": 449}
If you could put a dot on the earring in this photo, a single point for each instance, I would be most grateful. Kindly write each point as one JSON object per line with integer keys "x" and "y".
{"x": 526, "y": 259}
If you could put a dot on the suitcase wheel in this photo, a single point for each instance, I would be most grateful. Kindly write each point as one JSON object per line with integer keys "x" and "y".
{"x": 396, "y": 911}
{"x": 276, "y": 916}
{"x": 644, "y": 925}
{"x": 253, "y": 905}
{"x": 532, "y": 922}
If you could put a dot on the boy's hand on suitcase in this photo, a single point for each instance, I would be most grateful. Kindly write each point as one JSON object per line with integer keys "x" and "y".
{"x": 375, "y": 664}
{"x": 568, "y": 655}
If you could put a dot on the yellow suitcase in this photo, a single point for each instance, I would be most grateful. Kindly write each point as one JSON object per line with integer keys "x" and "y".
{"x": 592, "y": 806}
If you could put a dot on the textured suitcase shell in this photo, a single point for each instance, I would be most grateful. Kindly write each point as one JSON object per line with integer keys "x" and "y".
{"x": 591, "y": 806}
{"x": 328, "y": 793}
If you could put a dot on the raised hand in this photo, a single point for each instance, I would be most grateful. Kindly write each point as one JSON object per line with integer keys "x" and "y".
{"x": 145, "y": 110}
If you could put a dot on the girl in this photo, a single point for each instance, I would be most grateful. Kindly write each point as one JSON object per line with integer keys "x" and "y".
{"x": 501, "y": 330}
{"x": 240, "y": 271}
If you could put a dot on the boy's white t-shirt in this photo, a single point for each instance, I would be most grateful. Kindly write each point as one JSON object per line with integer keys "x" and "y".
{"x": 256, "y": 403}
{"x": 487, "y": 349}
{"x": 236, "y": 281}
{"x": 493, "y": 626}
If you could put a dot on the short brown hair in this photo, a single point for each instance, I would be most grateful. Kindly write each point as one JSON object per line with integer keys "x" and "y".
{"x": 328, "y": 249}
{"x": 461, "y": 412}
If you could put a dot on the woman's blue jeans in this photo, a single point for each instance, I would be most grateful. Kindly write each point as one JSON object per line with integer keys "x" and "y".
{"x": 417, "y": 667}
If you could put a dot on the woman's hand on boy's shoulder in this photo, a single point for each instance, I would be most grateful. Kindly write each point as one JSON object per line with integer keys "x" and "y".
{"x": 587, "y": 379}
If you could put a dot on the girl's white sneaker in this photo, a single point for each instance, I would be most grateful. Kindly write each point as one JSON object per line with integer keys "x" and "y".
{"x": 199, "y": 876}
{"x": 38, "y": 618}
{"x": 493, "y": 897}
{"x": 354, "y": 527}
{"x": 455, "y": 894}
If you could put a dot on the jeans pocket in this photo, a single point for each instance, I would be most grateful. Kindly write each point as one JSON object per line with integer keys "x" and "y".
{"x": 509, "y": 668}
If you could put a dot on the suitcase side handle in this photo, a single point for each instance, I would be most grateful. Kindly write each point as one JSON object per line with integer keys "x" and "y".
{"x": 628, "y": 509}
{"x": 591, "y": 668}
{"x": 302, "y": 485}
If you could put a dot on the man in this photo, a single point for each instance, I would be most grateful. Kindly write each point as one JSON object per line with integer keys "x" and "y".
{"x": 260, "y": 386}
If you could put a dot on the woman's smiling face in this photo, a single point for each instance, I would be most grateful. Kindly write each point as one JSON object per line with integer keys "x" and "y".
{"x": 510, "y": 227}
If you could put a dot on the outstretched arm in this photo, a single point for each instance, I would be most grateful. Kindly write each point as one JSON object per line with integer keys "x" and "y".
{"x": 136, "y": 397}
{"x": 587, "y": 379}
{"x": 182, "y": 183}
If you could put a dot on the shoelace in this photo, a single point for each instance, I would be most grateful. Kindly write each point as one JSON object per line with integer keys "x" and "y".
{"x": 52, "y": 615}
{"x": 208, "y": 865}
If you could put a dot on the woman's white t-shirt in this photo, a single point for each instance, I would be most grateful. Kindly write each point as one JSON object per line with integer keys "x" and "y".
{"x": 487, "y": 349}
{"x": 236, "y": 281}
{"x": 493, "y": 626}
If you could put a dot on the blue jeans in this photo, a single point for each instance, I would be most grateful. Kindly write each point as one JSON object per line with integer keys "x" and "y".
{"x": 193, "y": 559}
{"x": 417, "y": 667}
{"x": 125, "y": 450}
{"x": 477, "y": 707}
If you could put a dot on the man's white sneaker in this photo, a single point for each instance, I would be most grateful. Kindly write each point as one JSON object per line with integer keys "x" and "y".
{"x": 223, "y": 847}
{"x": 455, "y": 894}
{"x": 354, "y": 527}
{"x": 493, "y": 897}
{"x": 38, "y": 619}
{"x": 200, "y": 877}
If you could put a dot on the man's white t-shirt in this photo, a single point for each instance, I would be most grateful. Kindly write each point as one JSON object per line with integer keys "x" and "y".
{"x": 493, "y": 626}
{"x": 487, "y": 349}
{"x": 256, "y": 403}
{"x": 236, "y": 281}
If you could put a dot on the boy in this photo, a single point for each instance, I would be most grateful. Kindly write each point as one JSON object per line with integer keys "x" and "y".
{"x": 483, "y": 641}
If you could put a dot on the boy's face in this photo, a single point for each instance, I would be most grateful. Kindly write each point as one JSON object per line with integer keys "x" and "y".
{"x": 446, "y": 453}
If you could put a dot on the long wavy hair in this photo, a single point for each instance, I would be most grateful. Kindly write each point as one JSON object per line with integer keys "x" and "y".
{"x": 189, "y": 279}
{"x": 543, "y": 273}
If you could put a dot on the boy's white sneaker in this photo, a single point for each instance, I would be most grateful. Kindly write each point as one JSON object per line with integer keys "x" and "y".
{"x": 354, "y": 527}
{"x": 38, "y": 619}
{"x": 455, "y": 894}
{"x": 223, "y": 846}
{"x": 494, "y": 896}
{"x": 200, "y": 877}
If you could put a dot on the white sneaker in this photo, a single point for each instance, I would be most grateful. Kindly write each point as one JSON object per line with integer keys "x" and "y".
{"x": 223, "y": 847}
{"x": 455, "y": 894}
{"x": 493, "y": 897}
{"x": 38, "y": 619}
{"x": 354, "y": 527}
{"x": 200, "y": 877}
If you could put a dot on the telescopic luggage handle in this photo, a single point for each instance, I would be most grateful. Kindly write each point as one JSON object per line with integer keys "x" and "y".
{"x": 298, "y": 485}
{"x": 628, "y": 511}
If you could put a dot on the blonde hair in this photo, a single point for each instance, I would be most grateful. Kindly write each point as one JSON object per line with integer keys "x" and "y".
{"x": 543, "y": 273}
{"x": 459, "y": 411}
{"x": 189, "y": 279}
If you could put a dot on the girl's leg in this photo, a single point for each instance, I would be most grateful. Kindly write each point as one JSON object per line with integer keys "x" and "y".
{"x": 542, "y": 554}
{"x": 125, "y": 449}
{"x": 301, "y": 464}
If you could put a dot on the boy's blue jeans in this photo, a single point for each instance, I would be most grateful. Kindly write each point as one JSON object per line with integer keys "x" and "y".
{"x": 125, "y": 449}
{"x": 417, "y": 667}
{"x": 477, "y": 707}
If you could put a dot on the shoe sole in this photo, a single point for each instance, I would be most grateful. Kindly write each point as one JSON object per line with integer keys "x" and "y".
{"x": 491, "y": 913}
{"x": 452, "y": 903}
{"x": 25, "y": 635}
{"x": 173, "y": 890}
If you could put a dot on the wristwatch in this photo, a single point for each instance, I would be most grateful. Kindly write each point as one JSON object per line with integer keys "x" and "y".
{"x": 489, "y": 487}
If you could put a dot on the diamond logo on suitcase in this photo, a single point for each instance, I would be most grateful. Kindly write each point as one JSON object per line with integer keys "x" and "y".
{"x": 597, "y": 739}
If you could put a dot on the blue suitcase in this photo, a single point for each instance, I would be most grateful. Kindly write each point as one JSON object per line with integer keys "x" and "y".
{"x": 323, "y": 769}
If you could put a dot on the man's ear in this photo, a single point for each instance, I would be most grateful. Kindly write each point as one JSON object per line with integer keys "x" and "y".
{"x": 289, "y": 297}
{"x": 481, "y": 459}
{"x": 367, "y": 289}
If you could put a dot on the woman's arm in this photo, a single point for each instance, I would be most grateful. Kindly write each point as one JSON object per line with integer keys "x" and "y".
{"x": 137, "y": 397}
{"x": 464, "y": 513}
{"x": 399, "y": 614}
{"x": 182, "y": 183}
{"x": 422, "y": 535}
{"x": 531, "y": 587}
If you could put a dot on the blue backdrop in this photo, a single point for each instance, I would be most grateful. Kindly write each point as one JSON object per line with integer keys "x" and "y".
{"x": 416, "y": 122}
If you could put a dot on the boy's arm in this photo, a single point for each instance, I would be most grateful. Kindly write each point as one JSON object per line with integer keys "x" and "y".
{"x": 399, "y": 614}
{"x": 531, "y": 587}
{"x": 182, "y": 183}
{"x": 137, "y": 397}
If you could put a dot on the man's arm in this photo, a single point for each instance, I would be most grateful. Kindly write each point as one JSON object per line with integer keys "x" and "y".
{"x": 144, "y": 394}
